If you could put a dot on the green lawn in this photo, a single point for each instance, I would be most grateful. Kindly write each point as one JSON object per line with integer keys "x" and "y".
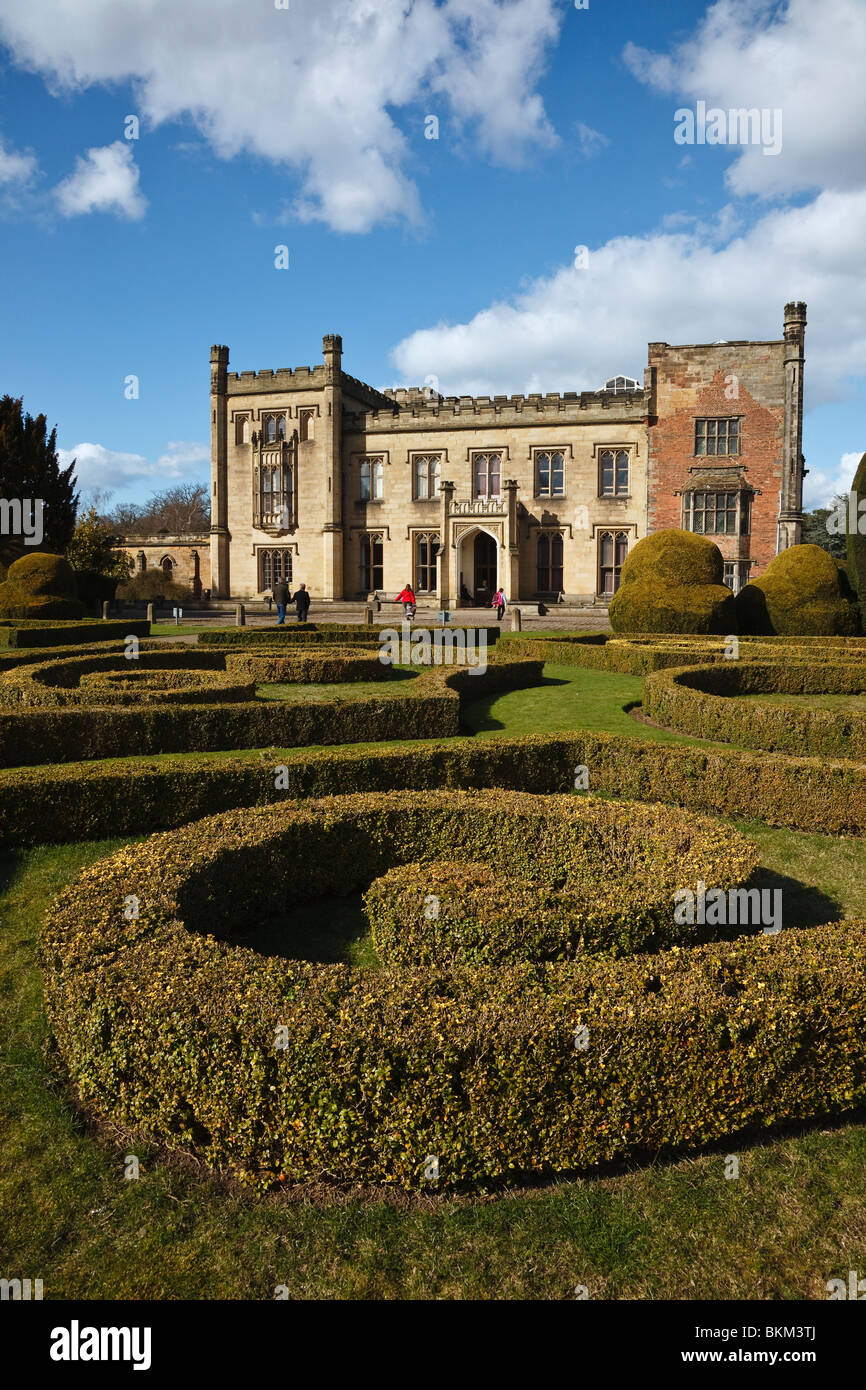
{"x": 793, "y": 1219}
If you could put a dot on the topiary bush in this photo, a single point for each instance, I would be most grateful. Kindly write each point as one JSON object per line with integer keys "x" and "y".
{"x": 802, "y": 592}
{"x": 39, "y": 585}
{"x": 672, "y": 582}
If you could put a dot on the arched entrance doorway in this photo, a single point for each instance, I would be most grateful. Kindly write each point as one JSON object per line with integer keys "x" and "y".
{"x": 479, "y": 566}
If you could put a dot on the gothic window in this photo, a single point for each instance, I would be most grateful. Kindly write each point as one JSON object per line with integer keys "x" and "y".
{"x": 167, "y": 566}
{"x": 549, "y": 474}
{"x": 274, "y": 565}
{"x": 426, "y": 553}
{"x": 549, "y": 563}
{"x": 715, "y": 513}
{"x": 427, "y": 469}
{"x": 271, "y": 429}
{"x": 141, "y": 562}
{"x": 371, "y": 563}
{"x": 487, "y": 470}
{"x": 612, "y": 550}
{"x": 371, "y": 480}
{"x": 613, "y": 473}
{"x": 281, "y": 427}
{"x": 305, "y": 424}
{"x": 242, "y": 429}
{"x": 736, "y": 574}
{"x": 717, "y": 436}
{"x": 276, "y": 499}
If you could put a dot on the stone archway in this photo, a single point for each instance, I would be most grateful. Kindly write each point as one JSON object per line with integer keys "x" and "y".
{"x": 478, "y": 566}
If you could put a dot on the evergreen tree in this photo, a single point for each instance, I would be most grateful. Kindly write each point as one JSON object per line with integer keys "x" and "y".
{"x": 30, "y": 469}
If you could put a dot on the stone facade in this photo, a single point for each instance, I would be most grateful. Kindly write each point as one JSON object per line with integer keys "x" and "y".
{"x": 185, "y": 559}
{"x": 323, "y": 479}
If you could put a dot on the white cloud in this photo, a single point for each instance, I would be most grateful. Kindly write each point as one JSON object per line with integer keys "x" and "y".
{"x": 104, "y": 180}
{"x": 15, "y": 168}
{"x": 98, "y": 467}
{"x": 575, "y": 328}
{"x": 820, "y": 486}
{"x": 802, "y": 58}
{"x": 591, "y": 141}
{"x": 312, "y": 87}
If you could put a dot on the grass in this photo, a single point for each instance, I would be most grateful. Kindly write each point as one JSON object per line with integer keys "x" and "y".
{"x": 793, "y": 1219}
{"x": 841, "y": 704}
{"x": 314, "y": 693}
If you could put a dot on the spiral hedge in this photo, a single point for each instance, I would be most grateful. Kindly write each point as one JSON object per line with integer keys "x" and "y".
{"x": 273, "y": 1068}
{"x": 702, "y": 701}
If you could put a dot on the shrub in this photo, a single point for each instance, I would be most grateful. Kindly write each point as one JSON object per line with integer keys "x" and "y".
{"x": 301, "y": 634}
{"x": 426, "y": 707}
{"x": 803, "y": 591}
{"x": 173, "y": 676}
{"x": 61, "y": 634}
{"x": 278, "y": 1068}
{"x": 700, "y": 701}
{"x": 448, "y": 914}
{"x": 39, "y": 585}
{"x": 672, "y": 582}
{"x": 152, "y": 585}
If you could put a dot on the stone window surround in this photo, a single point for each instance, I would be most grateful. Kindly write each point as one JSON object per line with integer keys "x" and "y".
{"x": 504, "y": 463}
{"x": 629, "y": 447}
{"x": 415, "y": 535}
{"x": 567, "y": 457}
{"x": 442, "y": 455}
{"x": 715, "y": 420}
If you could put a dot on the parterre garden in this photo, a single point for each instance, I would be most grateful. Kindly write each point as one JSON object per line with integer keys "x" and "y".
{"x": 373, "y": 982}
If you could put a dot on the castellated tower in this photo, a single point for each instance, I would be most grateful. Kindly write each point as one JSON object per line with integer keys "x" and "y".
{"x": 220, "y": 538}
{"x": 791, "y": 502}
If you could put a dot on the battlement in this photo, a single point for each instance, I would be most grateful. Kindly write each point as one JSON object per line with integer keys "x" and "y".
{"x": 413, "y": 406}
{"x": 281, "y": 379}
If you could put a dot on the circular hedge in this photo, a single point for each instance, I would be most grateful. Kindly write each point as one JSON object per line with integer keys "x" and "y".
{"x": 163, "y": 677}
{"x": 703, "y": 700}
{"x": 274, "y": 1068}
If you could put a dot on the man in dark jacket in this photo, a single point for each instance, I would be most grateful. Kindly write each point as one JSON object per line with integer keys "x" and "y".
{"x": 281, "y": 599}
{"x": 301, "y": 599}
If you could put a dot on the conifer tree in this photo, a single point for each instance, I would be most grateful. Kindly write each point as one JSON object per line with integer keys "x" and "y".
{"x": 30, "y": 469}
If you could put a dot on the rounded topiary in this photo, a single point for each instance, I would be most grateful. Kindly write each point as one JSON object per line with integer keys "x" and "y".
{"x": 39, "y": 585}
{"x": 672, "y": 582}
{"x": 803, "y": 592}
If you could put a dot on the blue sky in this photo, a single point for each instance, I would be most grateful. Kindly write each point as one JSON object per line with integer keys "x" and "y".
{"x": 451, "y": 258}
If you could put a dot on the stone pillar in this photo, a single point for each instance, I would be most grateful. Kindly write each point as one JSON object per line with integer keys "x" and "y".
{"x": 368, "y": 615}
{"x": 516, "y": 622}
{"x": 240, "y": 616}
{"x": 105, "y": 607}
{"x": 791, "y": 508}
{"x": 219, "y": 531}
{"x": 510, "y": 568}
{"x": 447, "y": 566}
{"x": 150, "y": 612}
{"x": 332, "y": 428}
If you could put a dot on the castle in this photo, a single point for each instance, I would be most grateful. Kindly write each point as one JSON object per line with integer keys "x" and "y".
{"x": 318, "y": 477}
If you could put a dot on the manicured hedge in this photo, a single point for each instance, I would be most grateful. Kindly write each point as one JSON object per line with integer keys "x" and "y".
{"x": 326, "y": 665}
{"x": 615, "y": 902}
{"x": 703, "y": 701}
{"x": 425, "y": 707}
{"x": 98, "y": 800}
{"x": 639, "y": 654}
{"x": 179, "y": 676}
{"x": 55, "y": 634}
{"x": 283, "y": 1069}
{"x": 300, "y": 634}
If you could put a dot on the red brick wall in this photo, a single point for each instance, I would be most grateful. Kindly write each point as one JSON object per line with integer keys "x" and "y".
{"x": 693, "y": 382}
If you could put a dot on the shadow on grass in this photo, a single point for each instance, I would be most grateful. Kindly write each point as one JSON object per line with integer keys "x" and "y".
{"x": 802, "y": 905}
{"x": 476, "y": 717}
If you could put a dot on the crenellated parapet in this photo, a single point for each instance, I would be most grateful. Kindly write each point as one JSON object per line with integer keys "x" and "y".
{"x": 411, "y": 410}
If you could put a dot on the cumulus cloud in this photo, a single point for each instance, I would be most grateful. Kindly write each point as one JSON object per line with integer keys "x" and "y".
{"x": 100, "y": 468}
{"x": 103, "y": 180}
{"x": 15, "y": 168}
{"x": 312, "y": 87}
{"x": 821, "y": 485}
{"x": 804, "y": 59}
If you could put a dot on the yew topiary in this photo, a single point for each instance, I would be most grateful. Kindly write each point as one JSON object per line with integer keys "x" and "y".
{"x": 40, "y": 585}
{"x": 804, "y": 592}
{"x": 672, "y": 582}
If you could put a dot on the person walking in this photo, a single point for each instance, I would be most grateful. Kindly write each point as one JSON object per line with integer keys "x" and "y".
{"x": 281, "y": 599}
{"x": 407, "y": 598}
{"x": 301, "y": 599}
{"x": 498, "y": 602}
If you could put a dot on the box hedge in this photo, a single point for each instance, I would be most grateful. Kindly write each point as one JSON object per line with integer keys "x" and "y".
{"x": 61, "y": 634}
{"x": 284, "y": 1069}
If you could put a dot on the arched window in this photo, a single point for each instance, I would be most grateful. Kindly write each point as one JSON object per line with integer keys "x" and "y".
{"x": 426, "y": 555}
{"x": 549, "y": 474}
{"x": 486, "y": 473}
{"x": 281, "y": 426}
{"x": 427, "y": 469}
{"x": 305, "y": 424}
{"x": 549, "y": 554}
{"x": 242, "y": 429}
{"x": 371, "y": 563}
{"x": 372, "y": 472}
{"x": 271, "y": 429}
{"x": 274, "y": 565}
{"x": 613, "y": 473}
{"x": 612, "y": 550}
{"x": 167, "y": 566}
{"x": 141, "y": 562}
